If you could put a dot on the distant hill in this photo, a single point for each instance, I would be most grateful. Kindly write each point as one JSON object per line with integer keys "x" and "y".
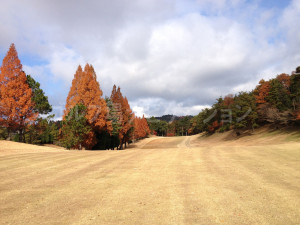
{"x": 169, "y": 118}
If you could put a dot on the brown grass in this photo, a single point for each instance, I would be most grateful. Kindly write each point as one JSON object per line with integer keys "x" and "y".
{"x": 181, "y": 180}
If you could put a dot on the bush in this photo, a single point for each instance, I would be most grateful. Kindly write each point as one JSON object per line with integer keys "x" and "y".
{"x": 3, "y": 133}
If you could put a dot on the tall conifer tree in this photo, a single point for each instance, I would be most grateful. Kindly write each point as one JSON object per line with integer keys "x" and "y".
{"x": 16, "y": 105}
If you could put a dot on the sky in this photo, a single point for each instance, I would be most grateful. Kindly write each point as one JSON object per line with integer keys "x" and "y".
{"x": 168, "y": 56}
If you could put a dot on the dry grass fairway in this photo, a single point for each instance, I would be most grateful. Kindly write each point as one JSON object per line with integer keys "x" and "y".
{"x": 183, "y": 180}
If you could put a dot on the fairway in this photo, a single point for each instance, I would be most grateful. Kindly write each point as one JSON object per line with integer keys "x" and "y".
{"x": 175, "y": 180}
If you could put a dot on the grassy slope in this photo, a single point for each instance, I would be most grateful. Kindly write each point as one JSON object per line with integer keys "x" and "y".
{"x": 182, "y": 180}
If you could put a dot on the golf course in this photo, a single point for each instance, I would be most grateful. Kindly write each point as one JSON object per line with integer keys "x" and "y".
{"x": 159, "y": 180}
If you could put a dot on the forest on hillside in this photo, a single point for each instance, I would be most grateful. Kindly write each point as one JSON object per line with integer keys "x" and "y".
{"x": 276, "y": 102}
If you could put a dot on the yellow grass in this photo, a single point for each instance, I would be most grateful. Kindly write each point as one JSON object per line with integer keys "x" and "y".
{"x": 181, "y": 180}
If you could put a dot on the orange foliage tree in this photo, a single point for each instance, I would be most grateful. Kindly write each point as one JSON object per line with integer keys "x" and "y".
{"x": 262, "y": 91}
{"x": 145, "y": 126}
{"x": 125, "y": 114}
{"x": 16, "y": 105}
{"x": 138, "y": 131}
{"x": 86, "y": 90}
{"x": 285, "y": 79}
{"x": 74, "y": 93}
{"x": 141, "y": 128}
{"x": 127, "y": 122}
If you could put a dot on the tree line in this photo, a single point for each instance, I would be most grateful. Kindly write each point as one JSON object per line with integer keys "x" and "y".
{"x": 93, "y": 122}
{"x": 276, "y": 102}
{"x": 89, "y": 121}
{"x": 170, "y": 125}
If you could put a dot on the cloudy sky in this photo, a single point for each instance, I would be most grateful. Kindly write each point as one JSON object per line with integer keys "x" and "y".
{"x": 168, "y": 56}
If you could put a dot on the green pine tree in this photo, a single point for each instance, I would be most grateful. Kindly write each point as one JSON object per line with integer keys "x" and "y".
{"x": 279, "y": 96}
{"x": 41, "y": 102}
{"x": 75, "y": 127}
{"x": 244, "y": 111}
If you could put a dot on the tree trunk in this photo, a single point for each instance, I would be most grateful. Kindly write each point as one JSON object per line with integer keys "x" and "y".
{"x": 8, "y": 134}
{"x": 21, "y": 135}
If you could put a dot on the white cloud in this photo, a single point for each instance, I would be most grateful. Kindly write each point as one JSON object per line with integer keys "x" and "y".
{"x": 167, "y": 56}
{"x": 139, "y": 111}
{"x": 160, "y": 106}
{"x": 63, "y": 63}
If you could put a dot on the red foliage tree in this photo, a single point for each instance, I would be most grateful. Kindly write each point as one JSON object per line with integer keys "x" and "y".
{"x": 16, "y": 105}
{"x": 153, "y": 132}
{"x": 228, "y": 100}
{"x": 215, "y": 125}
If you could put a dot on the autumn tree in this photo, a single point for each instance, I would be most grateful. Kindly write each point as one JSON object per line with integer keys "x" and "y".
{"x": 125, "y": 114}
{"x": 141, "y": 128}
{"x": 127, "y": 122}
{"x": 16, "y": 105}
{"x": 138, "y": 131}
{"x": 86, "y": 90}
{"x": 145, "y": 125}
{"x": 285, "y": 80}
{"x": 262, "y": 91}
{"x": 228, "y": 100}
{"x": 91, "y": 97}
{"x": 214, "y": 126}
{"x": 74, "y": 96}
